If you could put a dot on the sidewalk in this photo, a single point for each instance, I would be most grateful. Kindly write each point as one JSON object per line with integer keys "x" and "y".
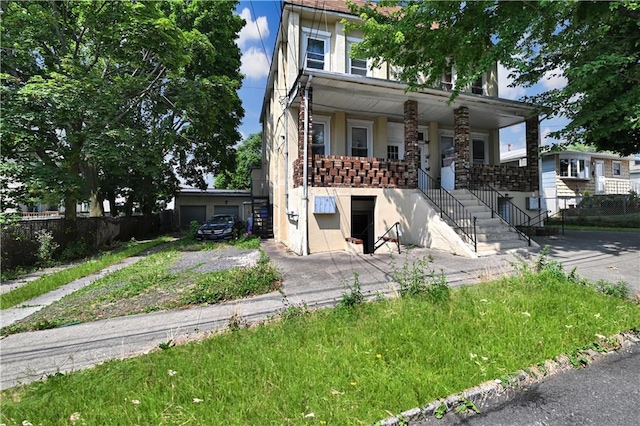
{"x": 317, "y": 280}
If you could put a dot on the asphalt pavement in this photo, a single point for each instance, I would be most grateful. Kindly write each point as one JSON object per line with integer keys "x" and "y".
{"x": 317, "y": 280}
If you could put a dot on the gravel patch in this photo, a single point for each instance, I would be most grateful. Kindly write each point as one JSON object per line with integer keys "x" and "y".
{"x": 215, "y": 260}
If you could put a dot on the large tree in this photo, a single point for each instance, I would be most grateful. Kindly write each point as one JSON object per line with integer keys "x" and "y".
{"x": 595, "y": 45}
{"x": 117, "y": 98}
{"x": 248, "y": 155}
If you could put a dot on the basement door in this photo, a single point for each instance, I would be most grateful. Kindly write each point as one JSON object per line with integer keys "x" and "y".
{"x": 362, "y": 220}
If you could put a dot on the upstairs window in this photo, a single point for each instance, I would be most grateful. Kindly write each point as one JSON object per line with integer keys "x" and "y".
{"x": 355, "y": 66}
{"x": 477, "y": 87}
{"x": 315, "y": 49}
{"x": 447, "y": 79}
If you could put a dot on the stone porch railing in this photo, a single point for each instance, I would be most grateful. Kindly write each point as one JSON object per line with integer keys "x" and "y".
{"x": 357, "y": 172}
{"x": 504, "y": 178}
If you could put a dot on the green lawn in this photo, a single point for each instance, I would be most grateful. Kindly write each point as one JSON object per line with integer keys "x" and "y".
{"x": 343, "y": 366}
{"x": 50, "y": 282}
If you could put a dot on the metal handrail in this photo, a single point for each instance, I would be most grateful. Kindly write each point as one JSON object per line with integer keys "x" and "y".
{"x": 382, "y": 240}
{"x": 449, "y": 206}
{"x": 515, "y": 217}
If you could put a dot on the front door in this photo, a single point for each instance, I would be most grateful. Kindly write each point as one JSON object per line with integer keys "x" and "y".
{"x": 600, "y": 184}
{"x": 447, "y": 163}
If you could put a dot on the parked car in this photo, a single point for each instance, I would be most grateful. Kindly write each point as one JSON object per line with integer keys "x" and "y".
{"x": 220, "y": 227}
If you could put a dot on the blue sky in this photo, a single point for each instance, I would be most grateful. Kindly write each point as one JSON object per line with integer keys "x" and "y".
{"x": 257, "y": 39}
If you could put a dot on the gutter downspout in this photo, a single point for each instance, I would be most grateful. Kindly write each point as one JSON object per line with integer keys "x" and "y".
{"x": 305, "y": 173}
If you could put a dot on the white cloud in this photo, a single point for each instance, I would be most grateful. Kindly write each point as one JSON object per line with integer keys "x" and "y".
{"x": 255, "y": 64}
{"x": 553, "y": 79}
{"x": 253, "y": 30}
{"x": 504, "y": 91}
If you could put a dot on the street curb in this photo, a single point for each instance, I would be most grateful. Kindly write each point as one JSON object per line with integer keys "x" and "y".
{"x": 528, "y": 376}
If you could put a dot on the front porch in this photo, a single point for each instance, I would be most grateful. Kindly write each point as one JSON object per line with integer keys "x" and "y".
{"x": 435, "y": 136}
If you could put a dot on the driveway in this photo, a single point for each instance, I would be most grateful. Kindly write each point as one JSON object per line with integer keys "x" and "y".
{"x": 598, "y": 255}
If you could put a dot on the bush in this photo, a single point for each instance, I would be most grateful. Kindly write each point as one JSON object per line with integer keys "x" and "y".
{"x": 46, "y": 247}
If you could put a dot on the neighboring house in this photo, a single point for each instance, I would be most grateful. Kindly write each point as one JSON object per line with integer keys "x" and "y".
{"x": 199, "y": 205}
{"x": 569, "y": 175}
{"x": 348, "y": 152}
{"x": 634, "y": 170}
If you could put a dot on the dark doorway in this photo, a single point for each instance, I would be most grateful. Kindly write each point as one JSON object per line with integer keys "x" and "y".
{"x": 362, "y": 219}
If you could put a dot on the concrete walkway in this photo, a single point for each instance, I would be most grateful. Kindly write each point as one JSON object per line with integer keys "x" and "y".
{"x": 317, "y": 280}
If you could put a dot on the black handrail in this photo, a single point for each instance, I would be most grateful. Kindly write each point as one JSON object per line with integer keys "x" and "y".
{"x": 449, "y": 206}
{"x": 512, "y": 215}
{"x": 382, "y": 240}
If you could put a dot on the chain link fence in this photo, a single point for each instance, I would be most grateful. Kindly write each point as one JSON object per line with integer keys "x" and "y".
{"x": 617, "y": 211}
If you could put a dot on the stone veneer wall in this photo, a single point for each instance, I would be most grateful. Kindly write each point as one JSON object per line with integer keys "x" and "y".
{"x": 357, "y": 172}
{"x": 505, "y": 178}
{"x": 461, "y": 144}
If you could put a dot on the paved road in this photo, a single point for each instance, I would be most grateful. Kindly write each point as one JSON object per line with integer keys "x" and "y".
{"x": 599, "y": 255}
{"x": 605, "y": 393}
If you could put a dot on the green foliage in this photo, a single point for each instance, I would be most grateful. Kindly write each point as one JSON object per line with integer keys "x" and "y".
{"x": 619, "y": 289}
{"x": 238, "y": 175}
{"x": 52, "y": 281}
{"x": 46, "y": 247}
{"x": 419, "y": 280}
{"x": 116, "y": 98}
{"x": 235, "y": 283}
{"x": 73, "y": 251}
{"x": 193, "y": 229}
{"x": 346, "y": 370}
{"x": 353, "y": 296}
{"x": 593, "y": 45}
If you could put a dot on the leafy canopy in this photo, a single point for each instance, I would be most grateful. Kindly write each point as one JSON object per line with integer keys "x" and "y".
{"x": 102, "y": 99}
{"x": 249, "y": 154}
{"x": 594, "y": 45}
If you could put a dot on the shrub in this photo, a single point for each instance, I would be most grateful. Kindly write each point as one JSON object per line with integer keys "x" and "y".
{"x": 193, "y": 229}
{"x": 46, "y": 247}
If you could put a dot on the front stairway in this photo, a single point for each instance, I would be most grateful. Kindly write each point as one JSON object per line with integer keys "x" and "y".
{"x": 493, "y": 234}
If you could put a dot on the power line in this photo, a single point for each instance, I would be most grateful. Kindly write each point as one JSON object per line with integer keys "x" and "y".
{"x": 255, "y": 19}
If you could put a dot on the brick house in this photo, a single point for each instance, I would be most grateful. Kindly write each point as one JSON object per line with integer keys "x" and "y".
{"x": 348, "y": 153}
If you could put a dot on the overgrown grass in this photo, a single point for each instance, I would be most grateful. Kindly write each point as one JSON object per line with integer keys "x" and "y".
{"x": 50, "y": 282}
{"x": 157, "y": 283}
{"x": 353, "y": 365}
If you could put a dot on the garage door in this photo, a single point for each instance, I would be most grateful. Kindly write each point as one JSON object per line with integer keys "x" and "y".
{"x": 189, "y": 213}
{"x": 226, "y": 210}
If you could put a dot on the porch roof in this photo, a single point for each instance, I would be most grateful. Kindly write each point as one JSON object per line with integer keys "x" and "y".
{"x": 376, "y": 97}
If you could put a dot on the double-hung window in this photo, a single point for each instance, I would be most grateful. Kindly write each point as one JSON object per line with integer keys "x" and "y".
{"x": 315, "y": 49}
{"x": 479, "y": 150}
{"x": 355, "y": 66}
{"x": 477, "y": 87}
{"x": 616, "y": 169}
{"x": 360, "y": 133}
{"x": 320, "y": 142}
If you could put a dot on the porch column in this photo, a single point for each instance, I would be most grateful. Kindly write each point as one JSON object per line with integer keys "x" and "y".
{"x": 461, "y": 146}
{"x": 532, "y": 138}
{"x": 411, "y": 142}
{"x": 299, "y": 163}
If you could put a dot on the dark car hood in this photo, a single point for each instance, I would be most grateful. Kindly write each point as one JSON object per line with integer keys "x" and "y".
{"x": 209, "y": 225}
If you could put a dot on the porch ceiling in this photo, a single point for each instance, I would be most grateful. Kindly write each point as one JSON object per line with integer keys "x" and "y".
{"x": 375, "y": 97}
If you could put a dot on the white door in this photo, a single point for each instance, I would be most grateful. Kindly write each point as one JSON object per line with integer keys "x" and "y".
{"x": 447, "y": 170}
{"x": 600, "y": 185}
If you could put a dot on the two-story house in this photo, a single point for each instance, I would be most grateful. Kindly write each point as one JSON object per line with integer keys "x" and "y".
{"x": 348, "y": 152}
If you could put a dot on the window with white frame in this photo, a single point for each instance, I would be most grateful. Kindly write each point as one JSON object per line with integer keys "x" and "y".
{"x": 320, "y": 140}
{"x": 575, "y": 168}
{"x": 479, "y": 150}
{"x": 447, "y": 79}
{"x": 315, "y": 49}
{"x": 477, "y": 87}
{"x": 616, "y": 169}
{"x": 355, "y": 66}
{"x": 360, "y": 138}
